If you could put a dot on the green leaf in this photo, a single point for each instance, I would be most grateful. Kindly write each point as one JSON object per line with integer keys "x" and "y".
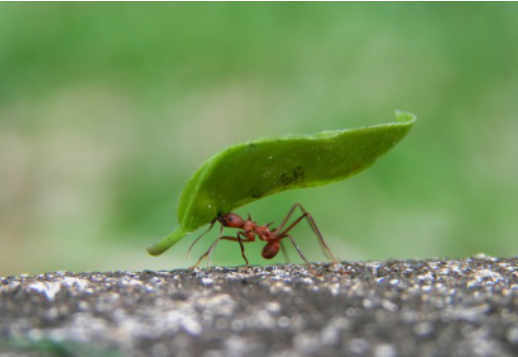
{"x": 247, "y": 172}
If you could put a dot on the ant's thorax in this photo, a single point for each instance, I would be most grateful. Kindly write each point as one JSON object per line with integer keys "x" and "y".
{"x": 264, "y": 233}
{"x": 249, "y": 226}
{"x": 249, "y": 229}
{"x": 252, "y": 229}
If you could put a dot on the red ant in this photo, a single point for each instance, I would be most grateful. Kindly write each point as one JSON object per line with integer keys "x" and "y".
{"x": 273, "y": 237}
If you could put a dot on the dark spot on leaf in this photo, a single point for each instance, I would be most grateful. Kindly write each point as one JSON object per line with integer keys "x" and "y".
{"x": 286, "y": 178}
{"x": 252, "y": 146}
{"x": 255, "y": 193}
{"x": 298, "y": 173}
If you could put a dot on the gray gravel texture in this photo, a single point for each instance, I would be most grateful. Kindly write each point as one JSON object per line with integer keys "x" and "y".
{"x": 464, "y": 307}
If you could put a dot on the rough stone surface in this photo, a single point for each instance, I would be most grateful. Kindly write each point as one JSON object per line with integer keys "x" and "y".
{"x": 465, "y": 307}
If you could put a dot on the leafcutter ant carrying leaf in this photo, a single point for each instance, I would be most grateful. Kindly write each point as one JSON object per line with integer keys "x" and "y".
{"x": 247, "y": 172}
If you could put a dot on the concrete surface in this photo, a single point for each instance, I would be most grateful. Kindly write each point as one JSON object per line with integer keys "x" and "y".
{"x": 465, "y": 307}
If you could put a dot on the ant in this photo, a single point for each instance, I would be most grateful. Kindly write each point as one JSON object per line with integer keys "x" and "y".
{"x": 273, "y": 237}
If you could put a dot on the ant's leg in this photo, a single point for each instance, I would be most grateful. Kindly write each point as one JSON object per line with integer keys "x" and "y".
{"x": 297, "y": 249}
{"x": 242, "y": 246}
{"x": 308, "y": 264}
{"x": 200, "y": 236}
{"x": 213, "y": 246}
{"x": 313, "y": 225}
{"x": 241, "y": 241}
{"x": 284, "y": 252}
{"x": 321, "y": 240}
{"x": 207, "y": 253}
{"x": 285, "y": 220}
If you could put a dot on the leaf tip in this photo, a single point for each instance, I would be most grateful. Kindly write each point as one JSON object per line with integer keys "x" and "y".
{"x": 166, "y": 242}
{"x": 405, "y": 117}
{"x": 154, "y": 251}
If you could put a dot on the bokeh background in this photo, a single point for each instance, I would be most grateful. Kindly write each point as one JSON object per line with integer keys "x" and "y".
{"x": 107, "y": 109}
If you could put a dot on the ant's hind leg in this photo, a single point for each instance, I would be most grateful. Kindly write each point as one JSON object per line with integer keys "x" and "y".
{"x": 284, "y": 252}
{"x": 320, "y": 237}
{"x": 287, "y": 217}
{"x": 308, "y": 264}
{"x": 305, "y": 214}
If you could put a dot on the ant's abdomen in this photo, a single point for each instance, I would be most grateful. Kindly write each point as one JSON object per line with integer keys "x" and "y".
{"x": 271, "y": 249}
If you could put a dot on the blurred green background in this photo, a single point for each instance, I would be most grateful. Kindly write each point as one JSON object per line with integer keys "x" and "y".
{"x": 107, "y": 109}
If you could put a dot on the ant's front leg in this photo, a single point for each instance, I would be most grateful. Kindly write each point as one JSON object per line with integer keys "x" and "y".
{"x": 207, "y": 253}
{"x": 201, "y": 236}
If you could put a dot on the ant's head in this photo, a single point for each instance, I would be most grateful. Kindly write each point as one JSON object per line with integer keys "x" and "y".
{"x": 231, "y": 220}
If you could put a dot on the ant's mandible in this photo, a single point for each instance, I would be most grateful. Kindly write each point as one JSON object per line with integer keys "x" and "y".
{"x": 273, "y": 237}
